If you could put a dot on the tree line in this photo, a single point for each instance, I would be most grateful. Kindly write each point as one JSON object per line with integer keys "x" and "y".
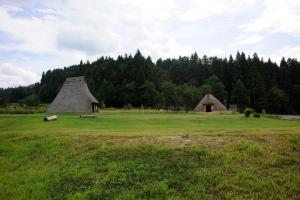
{"x": 135, "y": 80}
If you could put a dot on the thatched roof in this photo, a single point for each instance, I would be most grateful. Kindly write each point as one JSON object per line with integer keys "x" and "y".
{"x": 209, "y": 99}
{"x": 73, "y": 97}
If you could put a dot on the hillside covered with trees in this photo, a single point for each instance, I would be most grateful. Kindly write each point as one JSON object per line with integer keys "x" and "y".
{"x": 177, "y": 83}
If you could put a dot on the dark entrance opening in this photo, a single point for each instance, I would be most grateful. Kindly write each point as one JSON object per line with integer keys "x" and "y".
{"x": 208, "y": 108}
{"x": 94, "y": 107}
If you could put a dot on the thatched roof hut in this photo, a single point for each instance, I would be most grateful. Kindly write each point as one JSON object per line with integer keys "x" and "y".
{"x": 209, "y": 103}
{"x": 74, "y": 97}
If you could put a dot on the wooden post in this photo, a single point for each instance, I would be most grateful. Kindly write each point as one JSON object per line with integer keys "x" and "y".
{"x": 50, "y": 118}
{"x": 88, "y": 116}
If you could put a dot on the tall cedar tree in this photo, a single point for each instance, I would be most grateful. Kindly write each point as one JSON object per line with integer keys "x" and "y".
{"x": 240, "y": 95}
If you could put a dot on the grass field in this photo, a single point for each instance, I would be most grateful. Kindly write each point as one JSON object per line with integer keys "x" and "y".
{"x": 134, "y": 155}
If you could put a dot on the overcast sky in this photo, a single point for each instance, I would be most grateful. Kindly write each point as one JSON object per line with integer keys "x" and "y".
{"x": 39, "y": 35}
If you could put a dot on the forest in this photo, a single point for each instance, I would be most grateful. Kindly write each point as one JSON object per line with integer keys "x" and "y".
{"x": 179, "y": 84}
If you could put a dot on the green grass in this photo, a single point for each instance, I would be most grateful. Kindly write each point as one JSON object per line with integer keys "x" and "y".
{"x": 131, "y": 155}
{"x": 129, "y": 123}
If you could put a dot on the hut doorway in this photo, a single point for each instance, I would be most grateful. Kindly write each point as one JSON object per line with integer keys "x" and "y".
{"x": 94, "y": 107}
{"x": 208, "y": 108}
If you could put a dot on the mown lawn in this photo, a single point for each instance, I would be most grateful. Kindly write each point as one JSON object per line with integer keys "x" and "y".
{"x": 131, "y": 155}
{"x": 135, "y": 122}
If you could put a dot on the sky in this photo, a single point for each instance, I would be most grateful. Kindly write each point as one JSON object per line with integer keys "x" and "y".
{"x": 36, "y": 36}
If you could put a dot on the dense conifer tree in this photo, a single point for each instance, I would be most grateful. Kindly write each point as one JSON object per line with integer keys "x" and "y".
{"x": 181, "y": 82}
{"x": 240, "y": 95}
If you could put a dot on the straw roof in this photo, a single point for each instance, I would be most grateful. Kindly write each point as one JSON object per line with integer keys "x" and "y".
{"x": 209, "y": 99}
{"x": 73, "y": 97}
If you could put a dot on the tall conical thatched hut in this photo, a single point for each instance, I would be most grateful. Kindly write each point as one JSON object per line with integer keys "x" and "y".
{"x": 209, "y": 103}
{"x": 74, "y": 97}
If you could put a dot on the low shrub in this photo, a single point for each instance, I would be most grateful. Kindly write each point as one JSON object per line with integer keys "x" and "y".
{"x": 248, "y": 112}
{"x": 22, "y": 110}
{"x": 257, "y": 115}
{"x": 102, "y": 105}
{"x": 31, "y": 100}
{"x": 128, "y": 106}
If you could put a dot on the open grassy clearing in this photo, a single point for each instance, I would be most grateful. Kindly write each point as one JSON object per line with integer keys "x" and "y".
{"x": 130, "y": 155}
{"x": 149, "y": 123}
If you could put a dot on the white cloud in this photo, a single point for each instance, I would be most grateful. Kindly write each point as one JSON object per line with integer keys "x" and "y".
{"x": 86, "y": 41}
{"x": 247, "y": 40}
{"x": 37, "y": 34}
{"x": 98, "y": 27}
{"x": 253, "y": 39}
{"x": 11, "y": 76}
{"x": 93, "y": 27}
{"x": 165, "y": 48}
{"x": 64, "y": 32}
{"x": 215, "y": 52}
{"x": 281, "y": 16}
{"x": 47, "y": 11}
{"x": 202, "y": 9}
{"x": 290, "y": 52}
{"x": 286, "y": 51}
{"x": 59, "y": 33}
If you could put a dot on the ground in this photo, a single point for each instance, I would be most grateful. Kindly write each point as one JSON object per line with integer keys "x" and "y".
{"x": 125, "y": 154}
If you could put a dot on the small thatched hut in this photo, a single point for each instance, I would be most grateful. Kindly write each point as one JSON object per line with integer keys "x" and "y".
{"x": 74, "y": 97}
{"x": 209, "y": 103}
